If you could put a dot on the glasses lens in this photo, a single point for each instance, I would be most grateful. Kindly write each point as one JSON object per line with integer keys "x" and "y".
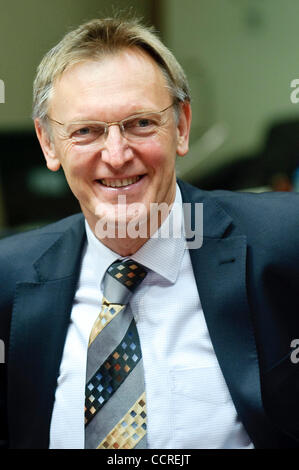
{"x": 85, "y": 133}
{"x": 141, "y": 126}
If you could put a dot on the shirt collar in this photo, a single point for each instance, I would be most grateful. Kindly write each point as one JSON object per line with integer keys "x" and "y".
{"x": 163, "y": 253}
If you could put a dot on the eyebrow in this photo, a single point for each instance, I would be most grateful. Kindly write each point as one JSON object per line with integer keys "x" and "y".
{"x": 134, "y": 113}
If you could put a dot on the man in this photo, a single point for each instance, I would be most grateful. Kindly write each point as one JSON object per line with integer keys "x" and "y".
{"x": 215, "y": 321}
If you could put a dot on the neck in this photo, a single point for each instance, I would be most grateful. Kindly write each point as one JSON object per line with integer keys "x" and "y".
{"x": 124, "y": 246}
{"x": 126, "y": 239}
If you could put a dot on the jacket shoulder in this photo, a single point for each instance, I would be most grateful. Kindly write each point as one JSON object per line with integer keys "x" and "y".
{"x": 31, "y": 237}
{"x": 268, "y": 219}
{"x": 22, "y": 249}
{"x": 273, "y": 208}
{"x": 276, "y": 211}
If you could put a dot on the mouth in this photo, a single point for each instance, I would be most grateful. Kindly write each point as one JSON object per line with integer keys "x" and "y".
{"x": 121, "y": 182}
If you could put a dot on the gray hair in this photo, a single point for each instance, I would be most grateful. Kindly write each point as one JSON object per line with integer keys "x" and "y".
{"x": 96, "y": 39}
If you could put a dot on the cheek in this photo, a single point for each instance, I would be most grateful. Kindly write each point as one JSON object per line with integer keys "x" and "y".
{"x": 158, "y": 156}
{"x": 77, "y": 165}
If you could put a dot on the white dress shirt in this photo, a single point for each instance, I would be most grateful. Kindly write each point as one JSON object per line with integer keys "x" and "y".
{"x": 188, "y": 402}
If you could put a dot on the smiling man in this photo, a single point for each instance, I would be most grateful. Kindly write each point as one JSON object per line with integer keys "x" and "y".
{"x": 134, "y": 158}
{"x": 121, "y": 341}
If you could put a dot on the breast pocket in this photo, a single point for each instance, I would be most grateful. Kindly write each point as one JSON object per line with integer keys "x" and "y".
{"x": 202, "y": 384}
{"x": 202, "y": 409}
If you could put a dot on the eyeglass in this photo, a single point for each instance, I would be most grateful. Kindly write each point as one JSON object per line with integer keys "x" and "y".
{"x": 136, "y": 127}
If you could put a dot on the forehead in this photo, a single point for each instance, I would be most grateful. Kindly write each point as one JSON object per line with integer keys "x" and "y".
{"x": 115, "y": 86}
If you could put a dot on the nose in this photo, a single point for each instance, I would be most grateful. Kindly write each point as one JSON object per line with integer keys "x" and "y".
{"x": 116, "y": 151}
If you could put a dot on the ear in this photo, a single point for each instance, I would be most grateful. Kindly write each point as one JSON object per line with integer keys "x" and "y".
{"x": 47, "y": 146}
{"x": 183, "y": 129}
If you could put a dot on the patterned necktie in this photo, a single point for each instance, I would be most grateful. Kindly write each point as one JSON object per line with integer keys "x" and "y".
{"x": 115, "y": 413}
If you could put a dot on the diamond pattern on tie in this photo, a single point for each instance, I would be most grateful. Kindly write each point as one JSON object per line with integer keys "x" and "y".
{"x": 128, "y": 273}
{"x": 115, "y": 330}
{"x": 129, "y": 430}
{"x": 108, "y": 312}
{"x": 112, "y": 373}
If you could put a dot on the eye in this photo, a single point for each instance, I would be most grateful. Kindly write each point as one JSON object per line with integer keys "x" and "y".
{"x": 139, "y": 122}
{"x": 141, "y": 125}
{"x": 86, "y": 134}
{"x": 83, "y": 131}
{"x": 144, "y": 122}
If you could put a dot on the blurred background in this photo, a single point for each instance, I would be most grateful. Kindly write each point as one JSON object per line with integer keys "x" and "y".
{"x": 241, "y": 57}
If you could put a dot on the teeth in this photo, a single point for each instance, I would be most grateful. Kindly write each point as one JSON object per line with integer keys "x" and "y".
{"x": 120, "y": 183}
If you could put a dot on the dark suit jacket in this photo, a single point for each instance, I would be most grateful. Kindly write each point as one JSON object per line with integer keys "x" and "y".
{"x": 247, "y": 274}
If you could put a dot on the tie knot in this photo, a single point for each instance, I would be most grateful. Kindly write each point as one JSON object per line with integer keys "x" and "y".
{"x": 127, "y": 272}
{"x": 121, "y": 279}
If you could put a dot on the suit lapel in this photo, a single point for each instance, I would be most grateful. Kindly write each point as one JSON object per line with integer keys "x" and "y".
{"x": 219, "y": 268}
{"x": 220, "y": 273}
{"x": 38, "y": 329}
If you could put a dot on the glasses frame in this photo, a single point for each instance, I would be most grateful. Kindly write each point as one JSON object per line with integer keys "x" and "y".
{"x": 120, "y": 123}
